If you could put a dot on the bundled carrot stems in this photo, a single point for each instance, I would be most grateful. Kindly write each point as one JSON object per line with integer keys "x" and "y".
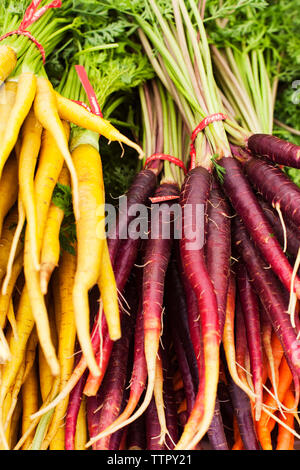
{"x": 149, "y": 219}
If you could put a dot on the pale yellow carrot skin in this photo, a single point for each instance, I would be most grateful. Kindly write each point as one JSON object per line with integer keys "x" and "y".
{"x": 15, "y": 422}
{"x": 45, "y": 108}
{"x": 66, "y": 338}
{"x": 88, "y": 166}
{"x": 29, "y": 403}
{"x": 73, "y": 112}
{"x": 51, "y": 243}
{"x": 5, "y": 299}
{"x": 30, "y": 147}
{"x": 8, "y": 61}
{"x": 15, "y": 246}
{"x": 48, "y": 171}
{"x": 46, "y": 378}
{"x": 109, "y": 295}
{"x": 6, "y": 240}
{"x": 8, "y": 188}
{"x": 81, "y": 435}
{"x": 7, "y": 99}
{"x": 49, "y": 167}
{"x": 24, "y": 98}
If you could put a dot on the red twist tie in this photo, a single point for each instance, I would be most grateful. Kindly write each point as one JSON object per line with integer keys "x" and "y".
{"x": 203, "y": 124}
{"x": 169, "y": 158}
{"x": 83, "y": 77}
{"x": 31, "y": 15}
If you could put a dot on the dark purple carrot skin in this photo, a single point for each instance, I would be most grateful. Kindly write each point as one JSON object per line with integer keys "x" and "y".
{"x": 113, "y": 386}
{"x": 136, "y": 434}
{"x": 158, "y": 250}
{"x": 218, "y": 246}
{"x": 153, "y": 429}
{"x": 177, "y": 317}
{"x": 292, "y": 236}
{"x": 216, "y": 434}
{"x": 241, "y": 347}
{"x": 275, "y": 187}
{"x": 268, "y": 290}
{"x": 72, "y": 412}
{"x": 216, "y": 430}
{"x": 93, "y": 405}
{"x": 277, "y": 150}
{"x": 244, "y": 201}
{"x": 169, "y": 395}
{"x": 243, "y": 413}
{"x": 250, "y": 309}
{"x": 195, "y": 191}
{"x": 140, "y": 190}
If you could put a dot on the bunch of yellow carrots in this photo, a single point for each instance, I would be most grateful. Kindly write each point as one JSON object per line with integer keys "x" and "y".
{"x": 35, "y": 155}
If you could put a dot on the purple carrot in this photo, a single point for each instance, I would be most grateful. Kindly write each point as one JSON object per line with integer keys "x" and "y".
{"x": 277, "y": 150}
{"x": 136, "y": 434}
{"x": 216, "y": 433}
{"x": 268, "y": 290}
{"x": 243, "y": 413}
{"x": 244, "y": 202}
{"x": 140, "y": 190}
{"x": 274, "y": 185}
{"x": 153, "y": 429}
{"x": 72, "y": 412}
{"x": 194, "y": 195}
{"x": 113, "y": 386}
{"x": 93, "y": 405}
{"x": 250, "y": 309}
{"x": 178, "y": 318}
{"x": 292, "y": 235}
{"x": 169, "y": 395}
{"x": 218, "y": 247}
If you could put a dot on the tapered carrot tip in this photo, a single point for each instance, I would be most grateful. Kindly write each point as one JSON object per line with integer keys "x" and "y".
{"x": 45, "y": 274}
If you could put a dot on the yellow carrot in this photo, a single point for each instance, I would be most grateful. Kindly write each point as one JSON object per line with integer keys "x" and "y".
{"x": 24, "y": 98}
{"x": 39, "y": 309}
{"x": 25, "y": 323}
{"x": 15, "y": 424}
{"x": 15, "y": 246}
{"x": 45, "y": 374}
{"x": 66, "y": 338}
{"x": 29, "y": 403}
{"x": 51, "y": 243}
{"x": 73, "y": 112}
{"x": 6, "y": 240}
{"x": 109, "y": 295}
{"x": 15, "y": 394}
{"x": 81, "y": 428}
{"x": 88, "y": 166}
{"x": 49, "y": 168}
{"x": 8, "y": 188}
{"x": 45, "y": 108}
{"x": 6, "y": 298}
{"x": 12, "y": 319}
{"x": 30, "y": 147}
{"x": 8, "y": 61}
{"x": 7, "y": 99}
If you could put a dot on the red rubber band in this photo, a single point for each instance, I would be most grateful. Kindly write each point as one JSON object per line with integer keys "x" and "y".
{"x": 81, "y": 103}
{"x": 162, "y": 198}
{"x": 170, "y": 158}
{"x": 95, "y": 108}
{"x": 30, "y": 16}
{"x": 203, "y": 124}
